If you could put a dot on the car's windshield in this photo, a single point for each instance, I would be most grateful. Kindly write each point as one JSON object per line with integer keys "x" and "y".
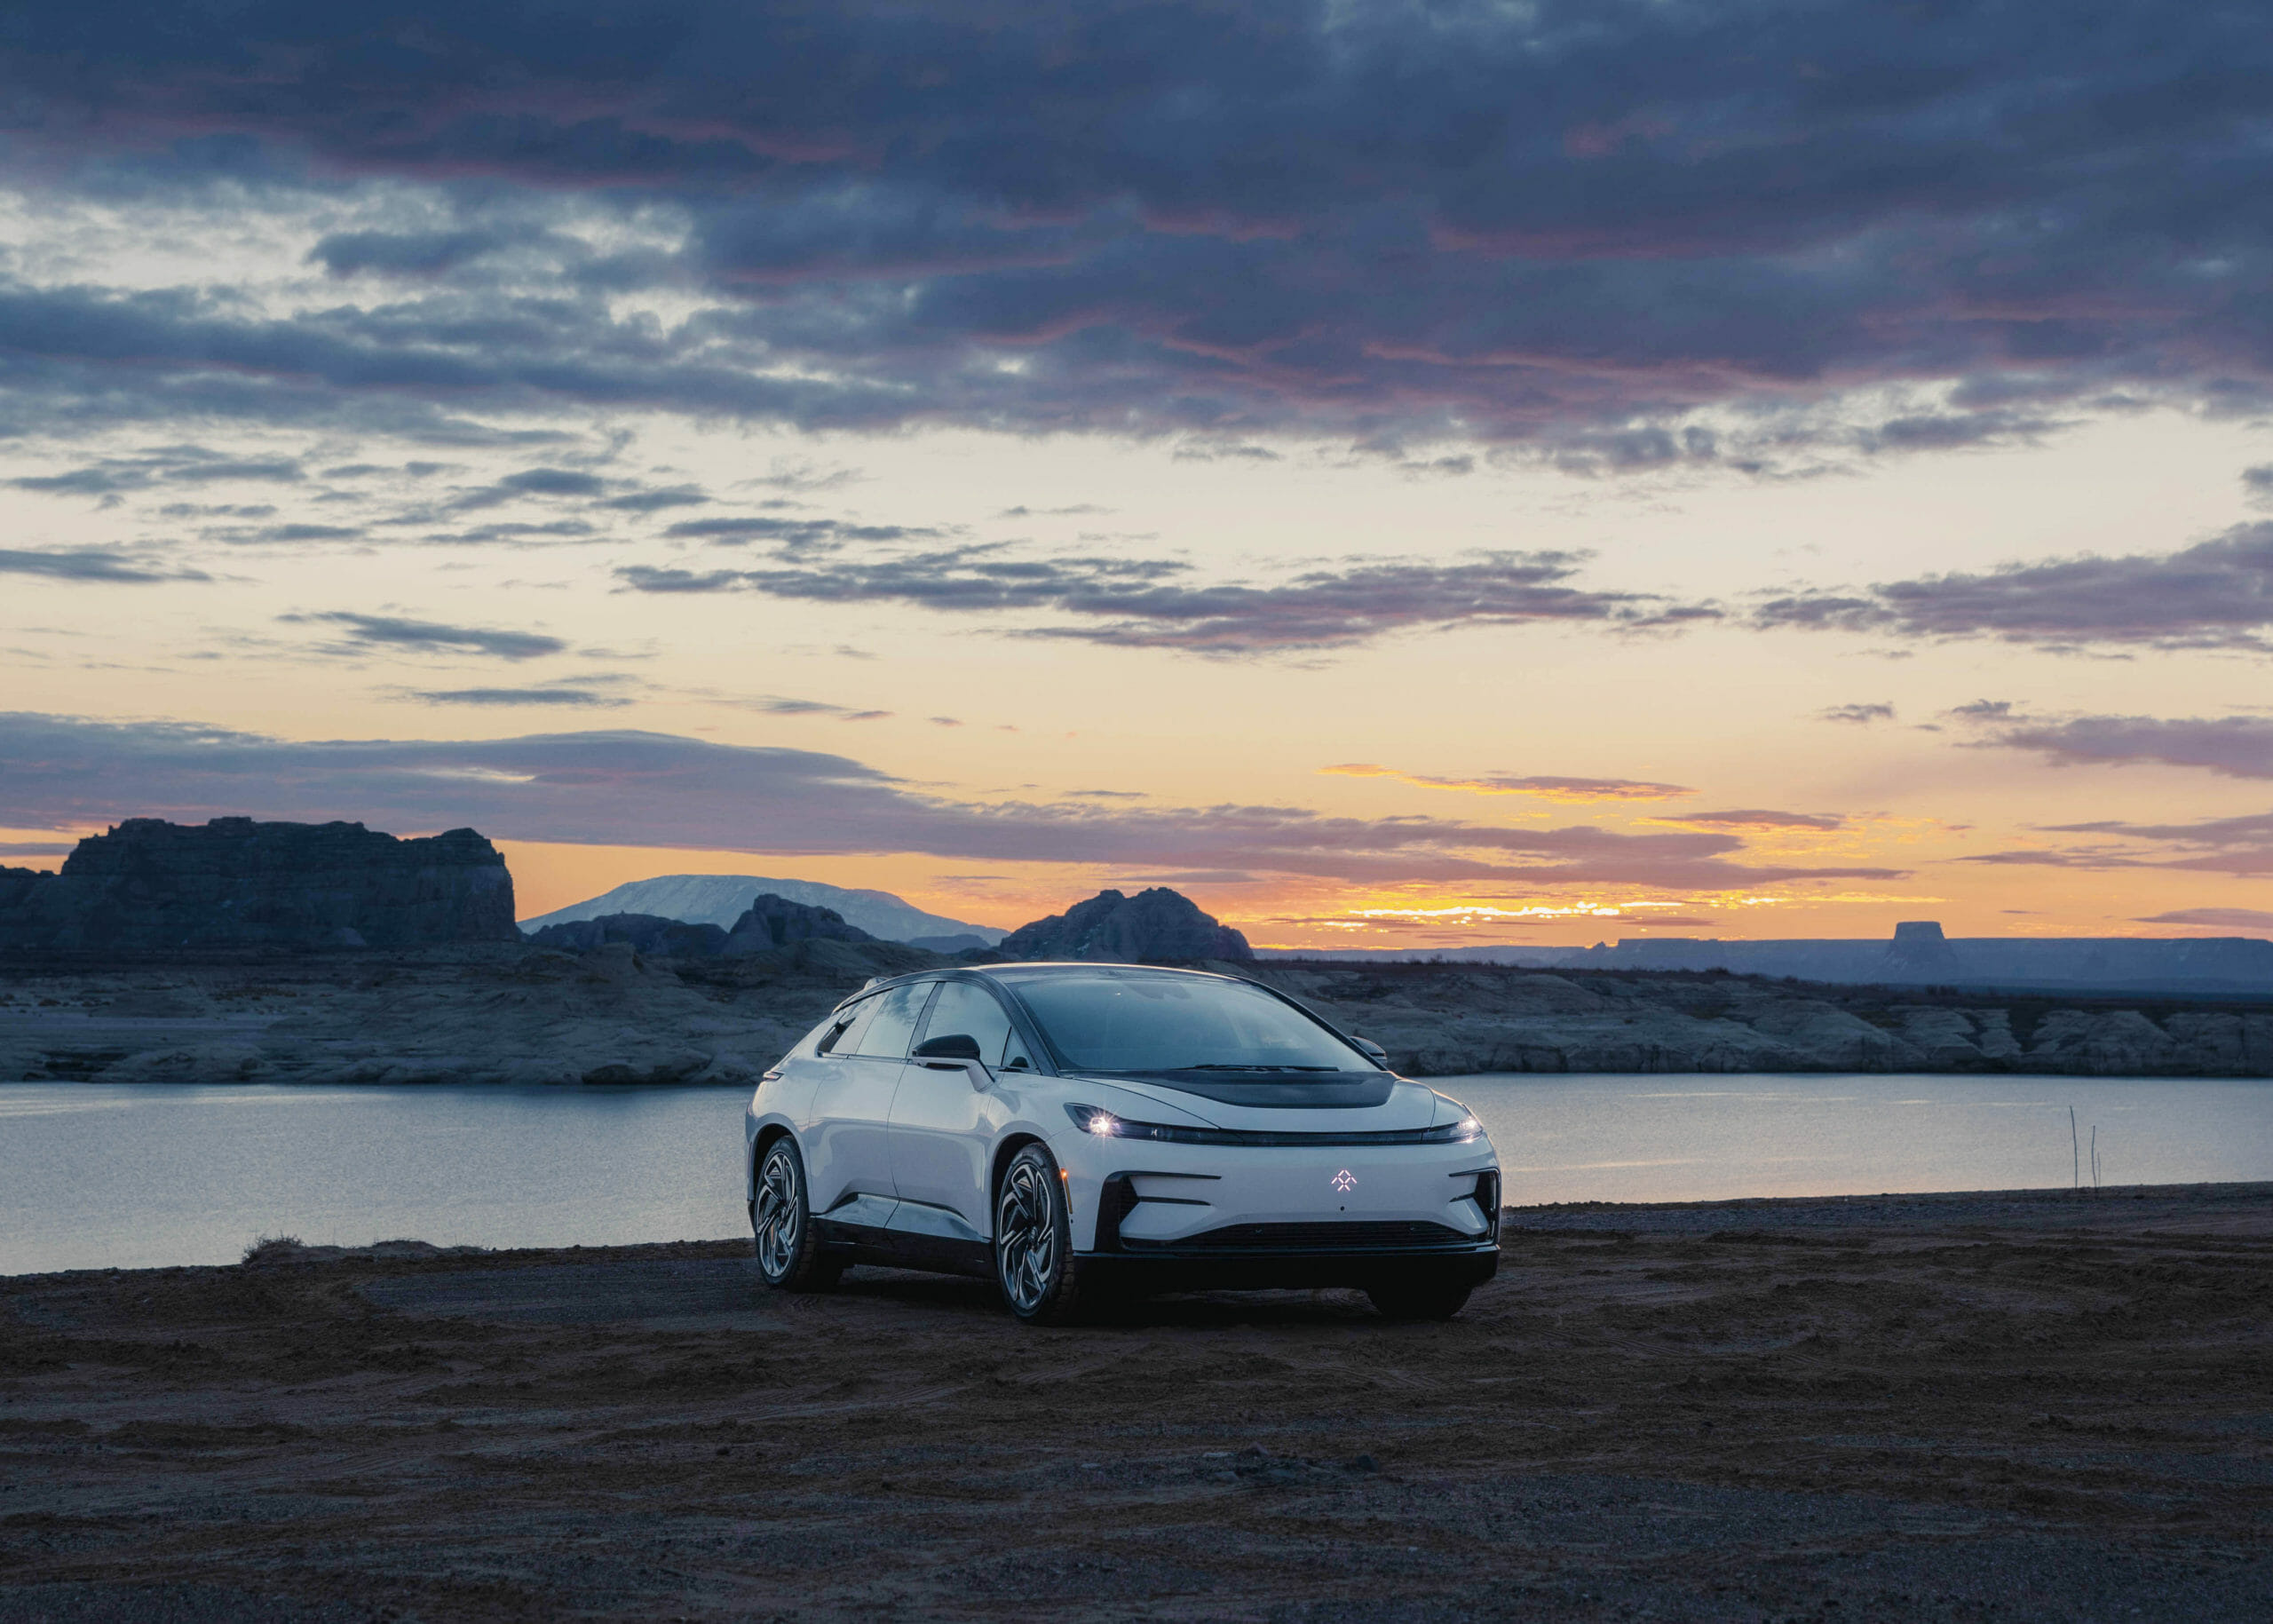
{"x": 1130, "y": 1020}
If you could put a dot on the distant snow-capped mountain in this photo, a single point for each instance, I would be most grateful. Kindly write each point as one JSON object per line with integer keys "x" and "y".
{"x": 721, "y": 898}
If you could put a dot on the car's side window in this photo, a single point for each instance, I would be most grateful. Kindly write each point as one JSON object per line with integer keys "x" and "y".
{"x": 843, "y": 1035}
{"x": 966, "y": 1008}
{"x": 892, "y": 1028}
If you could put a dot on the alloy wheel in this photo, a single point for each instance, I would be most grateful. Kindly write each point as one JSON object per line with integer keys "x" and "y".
{"x": 778, "y": 1222}
{"x": 1025, "y": 1235}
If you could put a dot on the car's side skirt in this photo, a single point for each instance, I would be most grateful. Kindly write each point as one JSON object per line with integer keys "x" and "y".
{"x": 895, "y": 1234}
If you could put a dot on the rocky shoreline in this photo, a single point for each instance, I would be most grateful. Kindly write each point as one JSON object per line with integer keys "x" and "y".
{"x": 613, "y": 1015}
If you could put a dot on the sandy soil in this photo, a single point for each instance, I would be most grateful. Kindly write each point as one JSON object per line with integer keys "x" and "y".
{"x": 2010, "y": 1407}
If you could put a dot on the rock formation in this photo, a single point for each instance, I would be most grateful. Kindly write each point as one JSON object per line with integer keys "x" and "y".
{"x": 149, "y": 886}
{"x": 647, "y": 933}
{"x": 1151, "y": 926}
{"x": 722, "y": 899}
{"x": 772, "y": 922}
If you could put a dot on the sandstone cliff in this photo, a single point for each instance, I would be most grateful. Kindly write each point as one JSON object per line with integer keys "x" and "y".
{"x": 149, "y": 886}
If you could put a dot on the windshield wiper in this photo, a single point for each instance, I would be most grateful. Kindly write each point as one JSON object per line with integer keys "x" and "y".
{"x": 1224, "y": 1066}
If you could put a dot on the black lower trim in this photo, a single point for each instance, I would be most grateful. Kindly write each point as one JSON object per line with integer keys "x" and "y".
{"x": 893, "y": 1248}
{"x": 1396, "y": 1235}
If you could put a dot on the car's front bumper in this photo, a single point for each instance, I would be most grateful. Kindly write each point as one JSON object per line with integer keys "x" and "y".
{"x": 1181, "y": 1215}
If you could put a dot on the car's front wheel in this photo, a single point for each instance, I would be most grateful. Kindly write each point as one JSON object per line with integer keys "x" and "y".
{"x": 1034, "y": 1243}
{"x": 788, "y": 1251}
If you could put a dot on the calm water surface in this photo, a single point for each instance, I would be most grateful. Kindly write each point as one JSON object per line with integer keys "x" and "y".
{"x": 94, "y": 1176}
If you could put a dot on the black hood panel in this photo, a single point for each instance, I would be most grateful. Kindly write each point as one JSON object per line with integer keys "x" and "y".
{"x": 1276, "y": 1091}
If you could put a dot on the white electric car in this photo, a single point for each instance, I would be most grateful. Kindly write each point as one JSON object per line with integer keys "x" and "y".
{"x": 1080, "y": 1132}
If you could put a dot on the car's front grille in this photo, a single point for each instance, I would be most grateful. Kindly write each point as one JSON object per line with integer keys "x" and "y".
{"x": 1399, "y": 1234}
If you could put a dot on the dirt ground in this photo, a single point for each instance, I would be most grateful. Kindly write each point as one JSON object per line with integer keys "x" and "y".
{"x": 2008, "y": 1407}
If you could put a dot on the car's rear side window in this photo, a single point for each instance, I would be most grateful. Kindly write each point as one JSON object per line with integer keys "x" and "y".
{"x": 843, "y": 1036}
{"x": 892, "y": 1027}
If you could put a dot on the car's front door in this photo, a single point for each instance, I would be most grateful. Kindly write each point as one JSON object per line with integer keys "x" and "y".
{"x": 942, "y": 1125}
{"x": 848, "y": 1155}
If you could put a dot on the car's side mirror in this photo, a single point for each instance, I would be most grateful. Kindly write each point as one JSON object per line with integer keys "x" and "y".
{"x": 1380, "y": 1056}
{"x": 954, "y": 1046}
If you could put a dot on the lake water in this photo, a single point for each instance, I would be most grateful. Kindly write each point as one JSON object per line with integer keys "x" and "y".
{"x": 94, "y": 1176}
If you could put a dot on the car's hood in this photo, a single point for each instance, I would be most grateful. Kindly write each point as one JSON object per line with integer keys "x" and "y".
{"x": 1406, "y": 1105}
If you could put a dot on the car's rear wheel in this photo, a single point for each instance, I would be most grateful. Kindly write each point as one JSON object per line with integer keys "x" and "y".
{"x": 1034, "y": 1243}
{"x": 1422, "y": 1296}
{"x": 782, "y": 1221}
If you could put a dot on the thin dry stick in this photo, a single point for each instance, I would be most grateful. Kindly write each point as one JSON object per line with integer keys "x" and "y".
{"x": 2075, "y": 1152}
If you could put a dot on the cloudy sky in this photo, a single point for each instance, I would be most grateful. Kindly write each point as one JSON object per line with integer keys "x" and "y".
{"x": 1400, "y": 473}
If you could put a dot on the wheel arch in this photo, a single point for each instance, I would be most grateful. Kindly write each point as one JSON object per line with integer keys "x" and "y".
{"x": 766, "y": 1136}
{"x": 1012, "y": 1143}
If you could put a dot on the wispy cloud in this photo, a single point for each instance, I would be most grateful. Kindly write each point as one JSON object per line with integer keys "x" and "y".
{"x": 1857, "y": 716}
{"x": 564, "y": 697}
{"x": 101, "y": 565}
{"x": 1541, "y": 787}
{"x": 2216, "y": 918}
{"x": 395, "y": 631}
{"x": 1756, "y": 820}
{"x": 1152, "y": 603}
{"x": 2217, "y": 594}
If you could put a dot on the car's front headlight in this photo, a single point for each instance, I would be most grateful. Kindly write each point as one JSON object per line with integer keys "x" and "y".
{"x": 1462, "y": 1131}
{"x": 1096, "y": 1120}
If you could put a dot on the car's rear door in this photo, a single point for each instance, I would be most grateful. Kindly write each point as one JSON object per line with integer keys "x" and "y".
{"x": 942, "y": 1129}
{"x": 848, "y": 1154}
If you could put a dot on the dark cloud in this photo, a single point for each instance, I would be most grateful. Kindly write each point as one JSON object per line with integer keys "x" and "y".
{"x": 2233, "y": 747}
{"x": 1755, "y": 819}
{"x": 572, "y": 697}
{"x": 172, "y": 464}
{"x": 656, "y": 500}
{"x": 775, "y": 706}
{"x": 2214, "y": 918}
{"x": 2217, "y": 594}
{"x": 554, "y": 482}
{"x": 411, "y": 253}
{"x": 91, "y": 564}
{"x": 1543, "y": 786}
{"x": 1147, "y": 603}
{"x": 1859, "y": 716}
{"x": 793, "y": 534}
{"x": 393, "y": 631}
{"x": 656, "y": 789}
{"x": 1569, "y": 220}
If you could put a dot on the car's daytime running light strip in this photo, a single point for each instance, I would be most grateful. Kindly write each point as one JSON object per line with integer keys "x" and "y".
{"x": 1097, "y": 1119}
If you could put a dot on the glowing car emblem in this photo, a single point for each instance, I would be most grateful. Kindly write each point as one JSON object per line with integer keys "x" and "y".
{"x": 1344, "y": 1182}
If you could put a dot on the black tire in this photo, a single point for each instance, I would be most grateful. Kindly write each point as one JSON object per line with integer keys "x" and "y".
{"x": 1422, "y": 1298}
{"x": 782, "y": 1224}
{"x": 1035, "y": 1265}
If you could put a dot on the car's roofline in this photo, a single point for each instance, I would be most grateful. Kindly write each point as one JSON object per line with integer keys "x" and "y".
{"x": 1025, "y": 968}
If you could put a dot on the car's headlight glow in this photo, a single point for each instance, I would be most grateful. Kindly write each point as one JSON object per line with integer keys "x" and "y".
{"x": 1467, "y": 1128}
{"x": 1096, "y": 1120}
